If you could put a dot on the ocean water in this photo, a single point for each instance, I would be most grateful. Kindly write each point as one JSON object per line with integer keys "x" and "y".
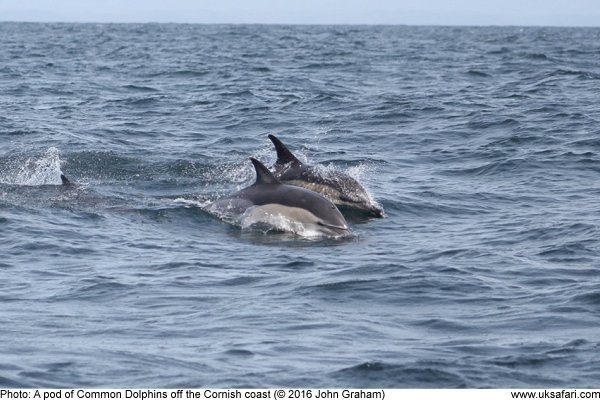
{"x": 481, "y": 144}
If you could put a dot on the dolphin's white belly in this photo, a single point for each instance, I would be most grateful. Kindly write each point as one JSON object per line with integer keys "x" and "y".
{"x": 280, "y": 217}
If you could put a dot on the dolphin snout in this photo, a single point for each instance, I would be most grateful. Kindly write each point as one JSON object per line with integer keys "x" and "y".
{"x": 337, "y": 228}
{"x": 376, "y": 211}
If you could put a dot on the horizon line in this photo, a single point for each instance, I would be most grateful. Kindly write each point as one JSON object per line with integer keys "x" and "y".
{"x": 450, "y": 25}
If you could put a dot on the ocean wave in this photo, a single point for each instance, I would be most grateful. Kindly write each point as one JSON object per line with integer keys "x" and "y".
{"x": 377, "y": 374}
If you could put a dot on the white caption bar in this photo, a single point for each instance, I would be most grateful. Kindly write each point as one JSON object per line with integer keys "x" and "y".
{"x": 296, "y": 394}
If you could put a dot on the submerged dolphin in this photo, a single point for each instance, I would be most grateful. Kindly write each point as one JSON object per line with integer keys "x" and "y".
{"x": 338, "y": 187}
{"x": 268, "y": 197}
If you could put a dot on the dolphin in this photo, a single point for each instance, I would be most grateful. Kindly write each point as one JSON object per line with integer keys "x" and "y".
{"x": 65, "y": 181}
{"x": 339, "y": 187}
{"x": 268, "y": 198}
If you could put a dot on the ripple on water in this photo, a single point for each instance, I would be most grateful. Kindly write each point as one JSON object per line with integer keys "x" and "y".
{"x": 412, "y": 375}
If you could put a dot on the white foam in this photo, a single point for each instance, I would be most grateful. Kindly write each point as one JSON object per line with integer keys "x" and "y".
{"x": 189, "y": 203}
{"x": 359, "y": 171}
{"x": 34, "y": 171}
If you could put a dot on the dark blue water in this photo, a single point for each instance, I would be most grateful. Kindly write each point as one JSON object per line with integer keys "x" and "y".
{"x": 481, "y": 144}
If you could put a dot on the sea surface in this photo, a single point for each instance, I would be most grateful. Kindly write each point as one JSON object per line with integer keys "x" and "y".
{"x": 481, "y": 144}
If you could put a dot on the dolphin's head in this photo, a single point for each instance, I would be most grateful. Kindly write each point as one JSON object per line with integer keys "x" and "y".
{"x": 345, "y": 191}
{"x": 312, "y": 209}
{"x": 332, "y": 221}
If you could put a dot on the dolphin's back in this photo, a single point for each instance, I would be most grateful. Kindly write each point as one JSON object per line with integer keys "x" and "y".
{"x": 289, "y": 196}
{"x": 292, "y": 197}
{"x": 327, "y": 183}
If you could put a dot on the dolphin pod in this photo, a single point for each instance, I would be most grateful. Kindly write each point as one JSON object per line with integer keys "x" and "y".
{"x": 295, "y": 192}
{"x": 337, "y": 186}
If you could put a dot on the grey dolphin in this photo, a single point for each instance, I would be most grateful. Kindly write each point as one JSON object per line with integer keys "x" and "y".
{"x": 269, "y": 197}
{"x": 339, "y": 187}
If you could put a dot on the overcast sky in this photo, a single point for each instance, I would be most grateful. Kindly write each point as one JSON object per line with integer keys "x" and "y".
{"x": 411, "y": 12}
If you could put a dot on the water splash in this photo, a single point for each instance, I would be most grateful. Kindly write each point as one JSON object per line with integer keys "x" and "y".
{"x": 242, "y": 172}
{"x": 43, "y": 169}
{"x": 239, "y": 172}
{"x": 189, "y": 203}
{"x": 359, "y": 171}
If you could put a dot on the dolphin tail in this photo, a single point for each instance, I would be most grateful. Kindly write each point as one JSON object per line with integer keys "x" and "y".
{"x": 284, "y": 156}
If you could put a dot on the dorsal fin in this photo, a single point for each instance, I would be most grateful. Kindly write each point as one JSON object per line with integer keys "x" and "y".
{"x": 263, "y": 175}
{"x": 284, "y": 156}
{"x": 65, "y": 181}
